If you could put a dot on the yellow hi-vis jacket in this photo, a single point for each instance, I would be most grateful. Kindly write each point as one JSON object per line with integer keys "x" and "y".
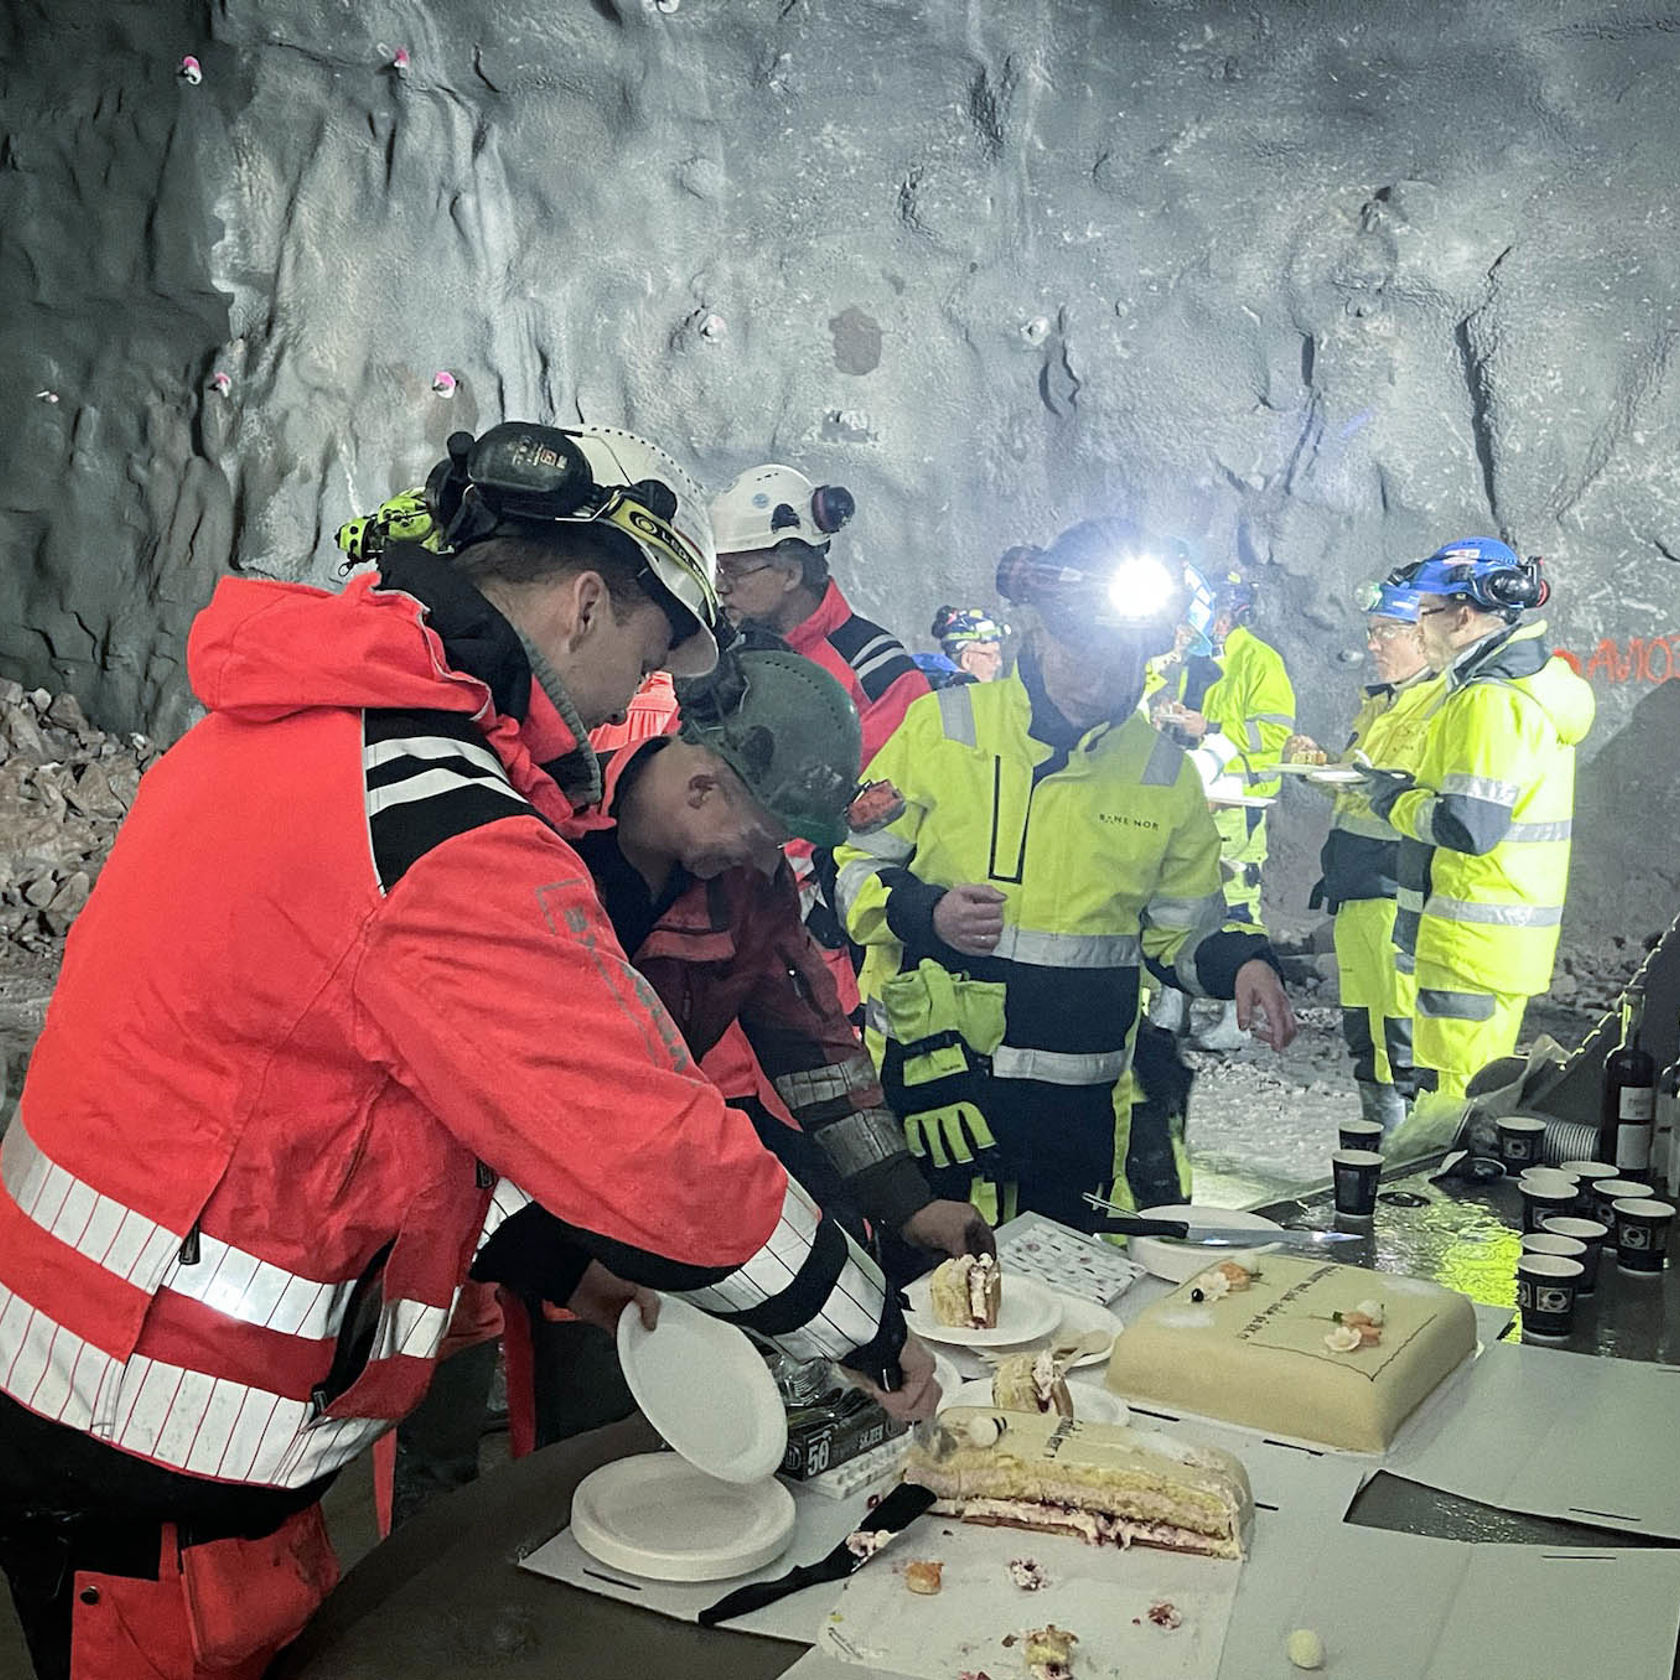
{"x": 1361, "y": 854}
{"x": 1245, "y": 694}
{"x": 1103, "y": 847}
{"x": 1484, "y": 858}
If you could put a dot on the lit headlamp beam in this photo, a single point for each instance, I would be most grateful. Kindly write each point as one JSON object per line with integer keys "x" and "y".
{"x": 1142, "y": 589}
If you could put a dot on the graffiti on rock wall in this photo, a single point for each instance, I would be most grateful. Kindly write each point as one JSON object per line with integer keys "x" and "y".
{"x": 1636, "y": 659}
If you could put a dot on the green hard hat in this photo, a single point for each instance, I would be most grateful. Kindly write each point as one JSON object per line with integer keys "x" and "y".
{"x": 790, "y": 732}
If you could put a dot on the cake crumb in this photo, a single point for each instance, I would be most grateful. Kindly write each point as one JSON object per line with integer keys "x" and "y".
{"x": 1306, "y": 1648}
{"x": 1028, "y": 1574}
{"x": 924, "y": 1576}
{"x": 1166, "y": 1615}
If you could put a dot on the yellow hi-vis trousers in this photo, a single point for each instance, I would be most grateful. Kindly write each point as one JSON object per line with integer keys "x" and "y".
{"x": 1378, "y": 1001}
{"x": 1458, "y": 1031}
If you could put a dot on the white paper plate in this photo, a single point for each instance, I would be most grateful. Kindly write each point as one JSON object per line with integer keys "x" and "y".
{"x": 1028, "y": 1311}
{"x": 707, "y": 1391}
{"x": 1336, "y": 775}
{"x": 950, "y": 1378}
{"x": 1177, "y": 1263}
{"x": 658, "y": 1517}
{"x": 1090, "y": 1403}
{"x": 1304, "y": 769}
{"x": 1079, "y": 1316}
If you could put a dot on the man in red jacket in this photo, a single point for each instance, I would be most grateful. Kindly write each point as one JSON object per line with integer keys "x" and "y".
{"x": 774, "y": 529}
{"x": 301, "y": 1074}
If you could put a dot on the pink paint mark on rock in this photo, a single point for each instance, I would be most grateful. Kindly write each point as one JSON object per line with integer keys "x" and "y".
{"x": 190, "y": 70}
{"x": 443, "y": 383}
{"x": 401, "y": 62}
{"x": 221, "y": 383}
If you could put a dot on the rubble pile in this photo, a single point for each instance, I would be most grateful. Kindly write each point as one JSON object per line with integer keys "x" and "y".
{"x": 64, "y": 788}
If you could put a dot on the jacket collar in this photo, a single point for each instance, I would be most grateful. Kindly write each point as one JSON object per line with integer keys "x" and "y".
{"x": 1506, "y": 656}
{"x": 832, "y": 611}
{"x": 1391, "y": 689}
{"x": 479, "y": 641}
{"x": 1047, "y": 724}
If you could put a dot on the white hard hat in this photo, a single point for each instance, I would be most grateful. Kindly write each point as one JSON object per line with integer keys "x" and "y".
{"x": 601, "y": 475}
{"x": 769, "y": 504}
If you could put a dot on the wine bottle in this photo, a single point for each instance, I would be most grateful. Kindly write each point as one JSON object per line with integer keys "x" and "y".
{"x": 1665, "y": 1140}
{"x": 1629, "y": 1088}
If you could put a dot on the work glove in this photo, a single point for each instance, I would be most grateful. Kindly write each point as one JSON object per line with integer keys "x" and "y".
{"x": 946, "y": 1135}
{"x": 1383, "y": 787}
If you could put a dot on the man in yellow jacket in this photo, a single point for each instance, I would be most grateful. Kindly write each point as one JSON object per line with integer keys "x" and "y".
{"x": 1361, "y": 859}
{"x": 1052, "y": 845}
{"x": 1484, "y": 817}
{"x": 1235, "y": 705}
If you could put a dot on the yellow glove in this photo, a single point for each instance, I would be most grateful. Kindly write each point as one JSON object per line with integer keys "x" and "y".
{"x": 944, "y": 1135}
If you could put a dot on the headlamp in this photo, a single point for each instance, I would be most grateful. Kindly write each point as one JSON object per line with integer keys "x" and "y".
{"x": 1142, "y": 590}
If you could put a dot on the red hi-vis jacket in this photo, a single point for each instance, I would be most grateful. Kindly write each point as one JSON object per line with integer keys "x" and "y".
{"x": 303, "y": 1059}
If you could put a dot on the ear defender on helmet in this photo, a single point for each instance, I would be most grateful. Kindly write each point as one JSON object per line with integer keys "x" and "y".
{"x": 832, "y": 507}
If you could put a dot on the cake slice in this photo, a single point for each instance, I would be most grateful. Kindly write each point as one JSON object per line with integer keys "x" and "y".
{"x": 967, "y": 1293}
{"x": 1100, "y": 1482}
{"x": 1030, "y": 1382}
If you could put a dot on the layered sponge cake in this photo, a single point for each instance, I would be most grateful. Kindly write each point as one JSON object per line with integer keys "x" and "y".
{"x": 967, "y": 1293}
{"x": 1333, "y": 1354}
{"x": 1099, "y": 1482}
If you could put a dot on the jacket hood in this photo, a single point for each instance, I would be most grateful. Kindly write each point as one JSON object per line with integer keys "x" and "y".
{"x": 263, "y": 650}
{"x": 1520, "y": 658}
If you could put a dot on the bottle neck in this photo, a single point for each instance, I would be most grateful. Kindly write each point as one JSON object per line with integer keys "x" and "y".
{"x": 1633, "y": 1019}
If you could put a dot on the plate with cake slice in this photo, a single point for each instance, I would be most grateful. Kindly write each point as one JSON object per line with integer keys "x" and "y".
{"x": 1089, "y": 1403}
{"x": 969, "y": 1302}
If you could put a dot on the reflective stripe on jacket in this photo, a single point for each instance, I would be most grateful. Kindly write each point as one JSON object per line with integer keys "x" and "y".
{"x": 1484, "y": 861}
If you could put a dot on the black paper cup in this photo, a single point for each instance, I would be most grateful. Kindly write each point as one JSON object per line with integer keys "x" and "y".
{"x": 1357, "y": 1173}
{"x": 1642, "y": 1227}
{"x": 1520, "y": 1138}
{"x": 1606, "y": 1192}
{"x": 1590, "y": 1233}
{"x": 1546, "y": 1288}
{"x": 1586, "y": 1174}
{"x": 1361, "y": 1134}
{"x": 1545, "y": 1198}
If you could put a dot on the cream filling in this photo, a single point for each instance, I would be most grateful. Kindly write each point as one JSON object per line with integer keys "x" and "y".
{"x": 979, "y": 1276}
{"x": 1044, "y": 1380}
{"x": 1094, "y": 1527}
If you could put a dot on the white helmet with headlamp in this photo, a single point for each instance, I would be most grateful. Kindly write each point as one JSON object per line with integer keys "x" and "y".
{"x": 520, "y": 475}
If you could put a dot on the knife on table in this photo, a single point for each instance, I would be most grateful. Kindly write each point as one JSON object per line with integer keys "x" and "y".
{"x": 1214, "y": 1236}
{"x": 895, "y": 1513}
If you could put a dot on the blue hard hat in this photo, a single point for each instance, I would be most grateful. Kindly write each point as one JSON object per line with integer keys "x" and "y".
{"x": 1200, "y": 612}
{"x": 1480, "y": 570}
{"x": 1390, "y": 600}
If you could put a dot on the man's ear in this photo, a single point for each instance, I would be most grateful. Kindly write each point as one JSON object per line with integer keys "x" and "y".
{"x": 702, "y": 786}
{"x": 588, "y": 601}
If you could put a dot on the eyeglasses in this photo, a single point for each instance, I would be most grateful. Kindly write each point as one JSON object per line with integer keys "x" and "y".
{"x": 733, "y": 574}
{"x": 1381, "y": 632}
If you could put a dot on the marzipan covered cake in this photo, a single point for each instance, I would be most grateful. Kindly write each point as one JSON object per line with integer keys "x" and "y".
{"x": 1099, "y": 1482}
{"x": 1334, "y": 1354}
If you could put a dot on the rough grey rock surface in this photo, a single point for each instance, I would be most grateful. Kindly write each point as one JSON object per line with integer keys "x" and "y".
{"x": 1314, "y": 286}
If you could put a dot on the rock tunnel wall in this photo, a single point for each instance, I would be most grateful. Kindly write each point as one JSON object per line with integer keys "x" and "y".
{"x": 1313, "y": 285}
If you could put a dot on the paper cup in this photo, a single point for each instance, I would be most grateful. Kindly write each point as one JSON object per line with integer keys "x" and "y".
{"x": 1585, "y": 1174}
{"x": 1544, "y": 1198}
{"x": 1361, "y": 1134}
{"x": 1590, "y": 1233}
{"x": 1546, "y": 1289}
{"x": 1357, "y": 1174}
{"x": 1642, "y": 1227}
{"x": 1606, "y": 1192}
{"x": 1554, "y": 1242}
{"x": 1520, "y": 1138}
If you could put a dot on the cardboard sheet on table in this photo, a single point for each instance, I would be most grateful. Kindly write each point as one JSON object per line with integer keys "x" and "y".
{"x": 1101, "y": 1593}
{"x": 1298, "y": 1496}
{"x": 1566, "y": 1435}
{"x": 819, "y": 1525}
{"x": 1403, "y": 1607}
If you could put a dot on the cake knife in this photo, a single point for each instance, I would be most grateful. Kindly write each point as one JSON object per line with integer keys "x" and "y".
{"x": 895, "y": 1513}
{"x": 1214, "y": 1236}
